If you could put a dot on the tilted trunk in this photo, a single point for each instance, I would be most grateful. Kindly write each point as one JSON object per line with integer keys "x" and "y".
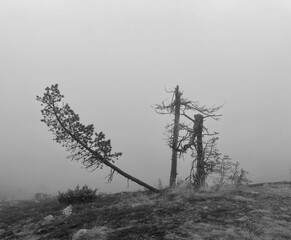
{"x": 126, "y": 175}
{"x": 104, "y": 161}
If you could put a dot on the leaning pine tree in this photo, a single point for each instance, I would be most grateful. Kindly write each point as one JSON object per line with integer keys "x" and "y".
{"x": 84, "y": 145}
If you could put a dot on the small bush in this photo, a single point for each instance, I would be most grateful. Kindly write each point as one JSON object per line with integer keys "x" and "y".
{"x": 78, "y": 195}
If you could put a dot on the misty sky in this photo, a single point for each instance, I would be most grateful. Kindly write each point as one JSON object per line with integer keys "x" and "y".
{"x": 114, "y": 59}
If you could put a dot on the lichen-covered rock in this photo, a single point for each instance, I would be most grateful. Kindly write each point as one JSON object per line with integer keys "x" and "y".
{"x": 47, "y": 220}
{"x": 98, "y": 233}
{"x": 68, "y": 210}
{"x": 80, "y": 234}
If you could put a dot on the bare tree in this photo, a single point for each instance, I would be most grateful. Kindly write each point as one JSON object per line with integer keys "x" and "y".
{"x": 173, "y": 108}
{"x": 223, "y": 170}
{"x": 84, "y": 145}
{"x": 191, "y": 133}
{"x": 230, "y": 173}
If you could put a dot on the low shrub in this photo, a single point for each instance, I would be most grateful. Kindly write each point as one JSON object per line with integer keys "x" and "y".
{"x": 78, "y": 195}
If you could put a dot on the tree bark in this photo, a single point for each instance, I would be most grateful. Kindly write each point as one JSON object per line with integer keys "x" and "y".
{"x": 126, "y": 175}
{"x": 200, "y": 156}
{"x": 177, "y": 104}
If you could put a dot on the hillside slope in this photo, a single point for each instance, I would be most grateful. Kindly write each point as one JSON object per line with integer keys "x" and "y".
{"x": 261, "y": 212}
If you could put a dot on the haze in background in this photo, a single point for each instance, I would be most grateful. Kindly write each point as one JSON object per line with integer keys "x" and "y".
{"x": 114, "y": 59}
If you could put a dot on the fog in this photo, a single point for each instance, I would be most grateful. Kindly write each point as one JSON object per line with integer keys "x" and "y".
{"x": 114, "y": 59}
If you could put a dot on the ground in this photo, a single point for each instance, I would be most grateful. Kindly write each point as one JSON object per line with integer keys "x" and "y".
{"x": 261, "y": 212}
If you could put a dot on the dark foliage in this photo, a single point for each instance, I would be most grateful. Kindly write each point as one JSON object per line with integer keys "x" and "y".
{"x": 78, "y": 195}
{"x": 85, "y": 145}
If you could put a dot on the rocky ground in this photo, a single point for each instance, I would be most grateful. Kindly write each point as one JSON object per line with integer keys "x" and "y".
{"x": 260, "y": 212}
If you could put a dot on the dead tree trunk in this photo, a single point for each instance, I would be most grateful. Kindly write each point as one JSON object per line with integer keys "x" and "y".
{"x": 182, "y": 137}
{"x": 200, "y": 172}
{"x": 177, "y": 104}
